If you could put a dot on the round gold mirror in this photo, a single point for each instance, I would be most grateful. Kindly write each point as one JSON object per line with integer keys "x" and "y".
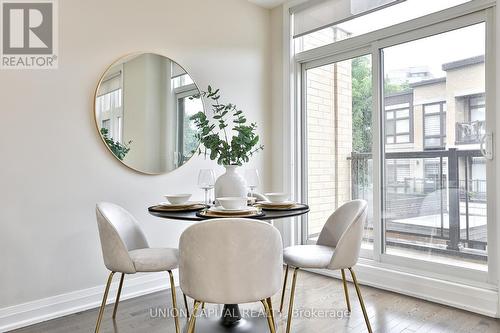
{"x": 143, "y": 105}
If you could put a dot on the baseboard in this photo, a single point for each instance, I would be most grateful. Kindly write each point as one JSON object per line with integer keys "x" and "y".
{"x": 30, "y": 313}
{"x": 462, "y": 296}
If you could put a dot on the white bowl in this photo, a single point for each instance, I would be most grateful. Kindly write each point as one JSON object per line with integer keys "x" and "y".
{"x": 177, "y": 199}
{"x": 277, "y": 197}
{"x": 232, "y": 202}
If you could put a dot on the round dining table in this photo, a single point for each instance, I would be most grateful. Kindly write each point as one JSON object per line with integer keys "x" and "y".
{"x": 231, "y": 318}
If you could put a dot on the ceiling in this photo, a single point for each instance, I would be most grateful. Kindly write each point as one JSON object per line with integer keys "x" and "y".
{"x": 268, "y": 3}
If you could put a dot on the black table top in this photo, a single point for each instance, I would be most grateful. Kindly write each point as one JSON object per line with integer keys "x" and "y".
{"x": 268, "y": 214}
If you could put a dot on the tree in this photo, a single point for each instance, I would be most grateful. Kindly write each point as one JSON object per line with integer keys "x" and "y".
{"x": 361, "y": 105}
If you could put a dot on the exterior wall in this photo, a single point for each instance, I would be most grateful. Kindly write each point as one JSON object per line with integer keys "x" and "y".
{"x": 329, "y": 136}
{"x": 321, "y": 135}
{"x": 463, "y": 81}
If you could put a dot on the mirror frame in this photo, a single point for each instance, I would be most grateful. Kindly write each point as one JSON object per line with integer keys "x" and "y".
{"x": 103, "y": 75}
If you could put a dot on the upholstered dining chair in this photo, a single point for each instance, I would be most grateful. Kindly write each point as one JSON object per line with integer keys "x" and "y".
{"x": 231, "y": 261}
{"x": 338, "y": 247}
{"x": 126, "y": 251}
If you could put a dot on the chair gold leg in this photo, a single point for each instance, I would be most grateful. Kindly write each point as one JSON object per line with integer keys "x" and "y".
{"x": 192, "y": 320}
{"x": 270, "y": 303}
{"x": 290, "y": 306}
{"x": 284, "y": 289}
{"x": 346, "y": 292}
{"x": 358, "y": 291}
{"x": 269, "y": 316}
{"x": 174, "y": 302}
{"x": 202, "y": 306}
{"x": 118, "y": 295}
{"x": 186, "y": 305}
{"x": 103, "y": 304}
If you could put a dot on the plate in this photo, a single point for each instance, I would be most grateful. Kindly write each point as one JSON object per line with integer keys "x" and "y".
{"x": 183, "y": 205}
{"x": 295, "y": 206}
{"x": 178, "y": 208}
{"x": 270, "y": 204}
{"x": 220, "y": 209}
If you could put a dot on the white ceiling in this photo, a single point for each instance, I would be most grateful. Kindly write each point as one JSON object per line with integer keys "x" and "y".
{"x": 268, "y": 3}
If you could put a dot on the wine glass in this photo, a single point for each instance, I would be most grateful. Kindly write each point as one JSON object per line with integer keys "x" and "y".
{"x": 252, "y": 178}
{"x": 206, "y": 181}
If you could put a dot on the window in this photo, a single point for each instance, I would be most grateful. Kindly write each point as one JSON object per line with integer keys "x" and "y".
{"x": 477, "y": 108}
{"x": 182, "y": 80}
{"x": 106, "y": 124}
{"x": 398, "y": 118}
{"x": 435, "y": 125}
{"x": 187, "y": 106}
{"x": 108, "y": 107}
{"x": 426, "y": 193}
{"x": 471, "y": 126}
{"x": 310, "y": 21}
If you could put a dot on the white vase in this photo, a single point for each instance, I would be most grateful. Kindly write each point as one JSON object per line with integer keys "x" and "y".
{"x": 231, "y": 184}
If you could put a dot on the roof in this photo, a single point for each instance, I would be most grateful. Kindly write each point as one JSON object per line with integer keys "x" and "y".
{"x": 428, "y": 82}
{"x": 464, "y": 62}
{"x": 399, "y": 93}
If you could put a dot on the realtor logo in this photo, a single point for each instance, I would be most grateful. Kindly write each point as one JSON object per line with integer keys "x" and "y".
{"x": 29, "y": 39}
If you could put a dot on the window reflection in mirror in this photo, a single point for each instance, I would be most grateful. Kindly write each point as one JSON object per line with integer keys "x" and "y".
{"x": 143, "y": 107}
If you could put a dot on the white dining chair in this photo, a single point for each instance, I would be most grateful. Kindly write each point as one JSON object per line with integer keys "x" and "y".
{"x": 231, "y": 261}
{"x": 125, "y": 250}
{"x": 338, "y": 247}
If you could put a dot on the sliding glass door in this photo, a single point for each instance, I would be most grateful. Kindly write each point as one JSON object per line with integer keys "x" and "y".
{"x": 434, "y": 198}
{"x": 400, "y": 118}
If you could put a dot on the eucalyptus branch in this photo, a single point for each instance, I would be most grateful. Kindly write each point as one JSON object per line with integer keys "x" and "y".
{"x": 234, "y": 150}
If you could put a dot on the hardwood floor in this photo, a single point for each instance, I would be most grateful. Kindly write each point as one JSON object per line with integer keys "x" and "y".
{"x": 388, "y": 312}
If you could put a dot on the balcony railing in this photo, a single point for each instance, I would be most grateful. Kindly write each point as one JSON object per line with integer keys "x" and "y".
{"x": 470, "y": 133}
{"x": 444, "y": 207}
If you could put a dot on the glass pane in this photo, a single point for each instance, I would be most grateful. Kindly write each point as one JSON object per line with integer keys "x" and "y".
{"x": 389, "y": 128}
{"x": 106, "y": 123}
{"x": 478, "y": 114}
{"x": 403, "y": 126}
{"x": 433, "y": 142}
{"x": 434, "y": 205}
{"x": 475, "y": 101}
{"x": 405, "y": 11}
{"x": 402, "y": 139}
{"x": 432, "y": 125}
{"x": 339, "y": 140}
{"x": 191, "y": 107}
{"x": 403, "y": 113}
{"x": 106, "y": 102}
{"x": 119, "y": 98}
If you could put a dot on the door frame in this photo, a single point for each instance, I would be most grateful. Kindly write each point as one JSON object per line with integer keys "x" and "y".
{"x": 474, "y": 12}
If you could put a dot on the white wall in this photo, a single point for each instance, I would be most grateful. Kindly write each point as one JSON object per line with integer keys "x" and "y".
{"x": 54, "y": 166}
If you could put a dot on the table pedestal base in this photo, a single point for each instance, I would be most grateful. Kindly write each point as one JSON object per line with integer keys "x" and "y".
{"x": 232, "y": 321}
